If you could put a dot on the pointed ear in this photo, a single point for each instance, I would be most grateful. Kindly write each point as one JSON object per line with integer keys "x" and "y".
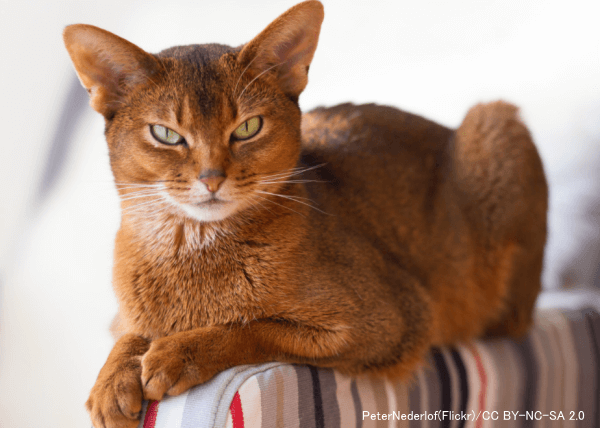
{"x": 108, "y": 66}
{"x": 286, "y": 47}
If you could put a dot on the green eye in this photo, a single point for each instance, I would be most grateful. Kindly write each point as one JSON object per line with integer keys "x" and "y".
{"x": 248, "y": 129}
{"x": 165, "y": 135}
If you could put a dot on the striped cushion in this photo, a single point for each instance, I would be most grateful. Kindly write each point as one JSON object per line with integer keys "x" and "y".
{"x": 556, "y": 368}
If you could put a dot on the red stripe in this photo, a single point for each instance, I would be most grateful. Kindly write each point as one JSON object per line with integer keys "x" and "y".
{"x": 237, "y": 416}
{"x": 151, "y": 413}
{"x": 483, "y": 379}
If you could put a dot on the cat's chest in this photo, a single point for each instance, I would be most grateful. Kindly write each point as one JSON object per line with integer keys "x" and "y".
{"x": 191, "y": 287}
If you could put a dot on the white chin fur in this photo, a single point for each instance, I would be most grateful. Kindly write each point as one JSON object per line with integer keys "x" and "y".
{"x": 207, "y": 214}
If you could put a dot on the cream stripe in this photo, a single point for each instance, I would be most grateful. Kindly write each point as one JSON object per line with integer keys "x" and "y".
{"x": 513, "y": 377}
{"x": 571, "y": 367}
{"x": 290, "y": 396}
{"x": 251, "y": 402}
{"x": 381, "y": 399}
{"x": 555, "y": 374}
{"x": 424, "y": 393}
{"x": 565, "y": 370}
{"x": 280, "y": 396}
{"x": 474, "y": 383}
{"x": 496, "y": 352}
{"x": 402, "y": 405}
{"x": 170, "y": 411}
{"x": 542, "y": 378}
{"x": 367, "y": 398}
{"x": 392, "y": 404}
{"x": 229, "y": 421}
{"x": 557, "y": 390}
{"x": 345, "y": 400}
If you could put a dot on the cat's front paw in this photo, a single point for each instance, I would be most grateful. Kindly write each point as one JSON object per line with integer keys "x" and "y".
{"x": 116, "y": 398}
{"x": 173, "y": 365}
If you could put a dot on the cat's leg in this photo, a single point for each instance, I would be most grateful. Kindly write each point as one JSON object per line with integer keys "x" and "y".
{"x": 178, "y": 362}
{"x": 390, "y": 337}
{"x": 116, "y": 398}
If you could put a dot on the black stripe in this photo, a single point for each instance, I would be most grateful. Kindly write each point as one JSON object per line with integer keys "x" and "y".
{"x": 445, "y": 383}
{"x": 593, "y": 320}
{"x": 357, "y": 404}
{"x": 414, "y": 402}
{"x": 331, "y": 409}
{"x": 586, "y": 381}
{"x": 316, "y": 386}
{"x": 531, "y": 378}
{"x": 305, "y": 401}
{"x": 464, "y": 384}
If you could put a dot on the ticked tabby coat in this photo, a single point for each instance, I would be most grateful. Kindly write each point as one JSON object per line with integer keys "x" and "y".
{"x": 352, "y": 237}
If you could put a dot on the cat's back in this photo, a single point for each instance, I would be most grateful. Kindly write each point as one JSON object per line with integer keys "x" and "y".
{"x": 370, "y": 129}
{"x": 371, "y": 141}
{"x": 376, "y": 155}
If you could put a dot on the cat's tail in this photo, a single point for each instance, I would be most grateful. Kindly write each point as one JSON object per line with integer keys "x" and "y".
{"x": 498, "y": 173}
{"x": 500, "y": 183}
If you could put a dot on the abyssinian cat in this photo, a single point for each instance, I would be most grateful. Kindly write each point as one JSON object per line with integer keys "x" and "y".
{"x": 352, "y": 237}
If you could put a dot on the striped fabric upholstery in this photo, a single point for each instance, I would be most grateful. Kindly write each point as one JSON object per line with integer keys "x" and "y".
{"x": 549, "y": 379}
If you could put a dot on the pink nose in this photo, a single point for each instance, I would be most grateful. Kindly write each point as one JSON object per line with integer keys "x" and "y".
{"x": 213, "y": 183}
{"x": 212, "y": 179}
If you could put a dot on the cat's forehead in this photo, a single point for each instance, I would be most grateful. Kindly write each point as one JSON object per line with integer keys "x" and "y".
{"x": 199, "y": 55}
{"x": 196, "y": 82}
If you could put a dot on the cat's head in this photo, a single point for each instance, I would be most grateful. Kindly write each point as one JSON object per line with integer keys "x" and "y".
{"x": 202, "y": 130}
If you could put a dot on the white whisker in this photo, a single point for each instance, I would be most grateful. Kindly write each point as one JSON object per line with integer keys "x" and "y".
{"x": 283, "y": 206}
{"x": 291, "y": 172}
{"x": 293, "y": 198}
{"x": 138, "y": 196}
{"x": 138, "y": 206}
{"x": 240, "y": 78}
{"x": 282, "y": 181}
{"x": 252, "y": 81}
{"x": 287, "y": 196}
{"x": 281, "y": 173}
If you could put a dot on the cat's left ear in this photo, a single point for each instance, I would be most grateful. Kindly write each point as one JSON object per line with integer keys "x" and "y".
{"x": 286, "y": 47}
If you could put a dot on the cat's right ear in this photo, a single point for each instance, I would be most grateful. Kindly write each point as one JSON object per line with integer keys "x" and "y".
{"x": 286, "y": 47}
{"x": 108, "y": 66}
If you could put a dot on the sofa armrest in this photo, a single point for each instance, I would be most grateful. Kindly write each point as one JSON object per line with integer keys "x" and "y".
{"x": 555, "y": 368}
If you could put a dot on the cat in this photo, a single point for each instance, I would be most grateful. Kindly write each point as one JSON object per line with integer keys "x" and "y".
{"x": 355, "y": 237}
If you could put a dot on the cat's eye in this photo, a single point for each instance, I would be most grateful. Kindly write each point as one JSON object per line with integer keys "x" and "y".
{"x": 165, "y": 135}
{"x": 248, "y": 129}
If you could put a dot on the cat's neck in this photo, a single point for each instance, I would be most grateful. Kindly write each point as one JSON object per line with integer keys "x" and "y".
{"x": 172, "y": 232}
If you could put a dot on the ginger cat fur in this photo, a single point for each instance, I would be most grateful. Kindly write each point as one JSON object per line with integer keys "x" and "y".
{"x": 352, "y": 237}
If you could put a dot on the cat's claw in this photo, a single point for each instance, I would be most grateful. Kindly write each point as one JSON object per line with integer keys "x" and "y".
{"x": 116, "y": 402}
{"x": 116, "y": 398}
{"x": 169, "y": 367}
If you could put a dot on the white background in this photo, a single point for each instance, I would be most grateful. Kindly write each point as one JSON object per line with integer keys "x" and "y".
{"x": 432, "y": 57}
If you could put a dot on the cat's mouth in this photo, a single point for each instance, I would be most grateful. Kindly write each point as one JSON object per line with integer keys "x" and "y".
{"x": 209, "y": 208}
{"x": 213, "y": 209}
{"x": 212, "y": 203}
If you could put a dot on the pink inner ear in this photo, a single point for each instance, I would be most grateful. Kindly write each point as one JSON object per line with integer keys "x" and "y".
{"x": 287, "y": 45}
{"x": 286, "y": 48}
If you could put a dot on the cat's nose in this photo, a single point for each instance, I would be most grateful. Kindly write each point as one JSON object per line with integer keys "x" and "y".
{"x": 212, "y": 179}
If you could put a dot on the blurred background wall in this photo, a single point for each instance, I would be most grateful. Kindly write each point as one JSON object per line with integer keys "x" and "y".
{"x": 59, "y": 211}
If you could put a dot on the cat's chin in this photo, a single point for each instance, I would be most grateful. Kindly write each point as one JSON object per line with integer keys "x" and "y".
{"x": 210, "y": 211}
